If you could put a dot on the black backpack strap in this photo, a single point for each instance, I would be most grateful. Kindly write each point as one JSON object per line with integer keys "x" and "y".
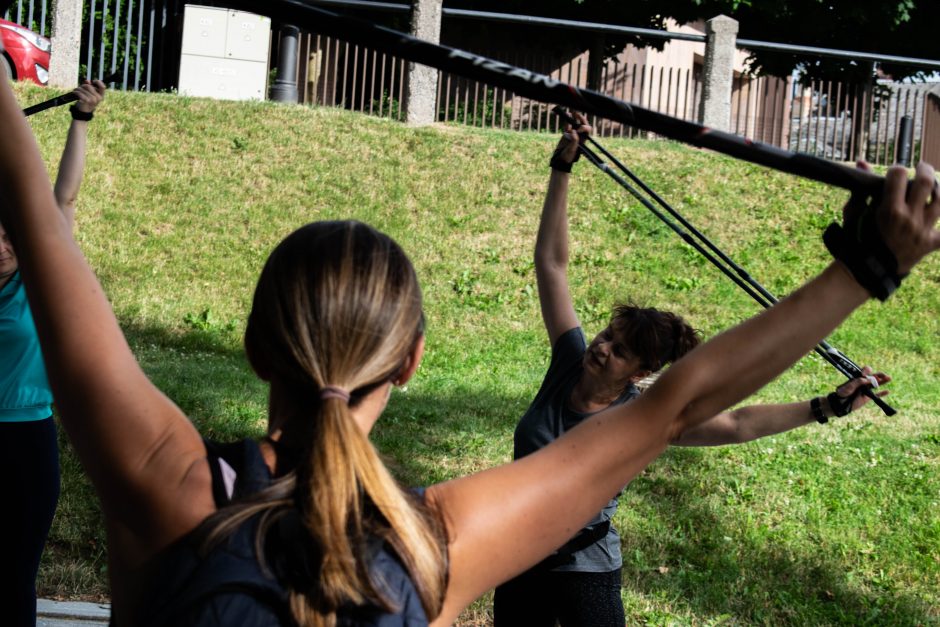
{"x": 213, "y": 454}
{"x": 245, "y": 458}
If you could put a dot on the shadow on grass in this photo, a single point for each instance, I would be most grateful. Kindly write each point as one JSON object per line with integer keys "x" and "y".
{"x": 207, "y": 375}
{"x": 431, "y": 437}
{"x": 718, "y": 566}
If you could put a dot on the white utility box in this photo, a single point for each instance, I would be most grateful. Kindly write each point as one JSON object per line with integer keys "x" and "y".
{"x": 225, "y": 54}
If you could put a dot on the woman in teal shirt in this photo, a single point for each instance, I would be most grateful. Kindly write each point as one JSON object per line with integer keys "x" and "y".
{"x": 29, "y": 458}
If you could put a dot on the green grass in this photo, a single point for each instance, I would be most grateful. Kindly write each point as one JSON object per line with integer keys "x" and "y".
{"x": 183, "y": 199}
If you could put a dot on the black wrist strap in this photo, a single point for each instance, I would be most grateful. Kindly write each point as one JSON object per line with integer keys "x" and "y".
{"x": 558, "y": 163}
{"x": 815, "y": 407}
{"x": 842, "y": 405}
{"x": 81, "y": 116}
{"x": 860, "y": 247}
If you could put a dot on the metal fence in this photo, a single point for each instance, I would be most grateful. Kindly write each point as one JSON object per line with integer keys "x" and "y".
{"x": 849, "y": 122}
{"x": 136, "y": 39}
{"x": 139, "y": 39}
{"x": 828, "y": 119}
{"x": 36, "y": 16}
{"x": 334, "y": 73}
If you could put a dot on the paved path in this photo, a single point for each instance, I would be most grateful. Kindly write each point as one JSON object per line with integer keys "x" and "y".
{"x": 71, "y": 614}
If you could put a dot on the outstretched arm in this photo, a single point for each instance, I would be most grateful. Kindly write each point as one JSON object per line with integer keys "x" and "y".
{"x": 757, "y": 421}
{"x": 551, "y": 244}
{"x": 72, "y": 164}
{"x": 142, "y": 454}
{"x": 522, "y": 511}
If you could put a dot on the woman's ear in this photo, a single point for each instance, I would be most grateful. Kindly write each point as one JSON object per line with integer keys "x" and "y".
{"x": 411, "y": 362}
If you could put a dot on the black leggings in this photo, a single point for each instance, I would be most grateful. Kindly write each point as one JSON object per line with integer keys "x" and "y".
{"x": 539, "y": 598}
{"x": 29, "y": 490}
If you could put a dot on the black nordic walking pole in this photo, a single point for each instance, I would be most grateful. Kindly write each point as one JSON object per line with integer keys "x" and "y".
{"x": 63, "y": 99}
{"x": 546, "y": 89}
{"x": 715, "y": 255}
{"x": 834, "y": 356}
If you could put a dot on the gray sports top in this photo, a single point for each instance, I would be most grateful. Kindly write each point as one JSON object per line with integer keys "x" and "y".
{"x": 546, "y": 419}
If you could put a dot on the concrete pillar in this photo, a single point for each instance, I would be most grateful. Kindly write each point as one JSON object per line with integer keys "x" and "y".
{"x": 66, "y": 43}
{"x": 718, "y": 73}
{"x": 421, "y": 86}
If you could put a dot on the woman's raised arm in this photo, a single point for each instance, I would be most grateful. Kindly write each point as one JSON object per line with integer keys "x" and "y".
{"x": 138, "y": 448}
{"x": 504, "y": 520}
{"x": 551, "y": 244}
{"x": 72, "y": 164}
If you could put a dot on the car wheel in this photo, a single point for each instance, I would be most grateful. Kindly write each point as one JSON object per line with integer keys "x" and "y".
{"x": 7, "y": 66}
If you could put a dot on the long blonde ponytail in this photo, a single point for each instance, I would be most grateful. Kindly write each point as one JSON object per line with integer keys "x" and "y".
{"x": 338, "y": 304}
{"x": 361, "y": 500}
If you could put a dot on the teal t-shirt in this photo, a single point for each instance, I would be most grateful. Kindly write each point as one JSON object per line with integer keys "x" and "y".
{"x": 24, "y": 388}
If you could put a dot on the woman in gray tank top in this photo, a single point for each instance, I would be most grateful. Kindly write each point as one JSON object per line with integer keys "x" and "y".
{"x": 580, "y": 584}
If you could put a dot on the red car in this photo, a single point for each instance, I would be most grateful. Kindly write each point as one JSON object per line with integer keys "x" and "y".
{"x": 26, "y": 54}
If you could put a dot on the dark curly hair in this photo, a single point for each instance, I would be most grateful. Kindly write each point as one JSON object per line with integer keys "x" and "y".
{"x": 656, "y": 337}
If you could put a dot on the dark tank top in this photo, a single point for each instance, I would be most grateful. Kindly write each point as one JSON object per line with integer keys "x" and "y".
{"x": 228, "y": 585}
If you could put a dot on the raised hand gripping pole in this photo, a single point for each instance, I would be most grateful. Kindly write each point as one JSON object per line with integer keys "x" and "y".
{"x": 64, "y": 98}
{"x": 710, "y": 251}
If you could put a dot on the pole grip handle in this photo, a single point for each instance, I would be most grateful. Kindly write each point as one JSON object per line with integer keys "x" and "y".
{"x": 566, "y": 117}
{"x": 64, "y": 98}
{"x": 883, "y": 406}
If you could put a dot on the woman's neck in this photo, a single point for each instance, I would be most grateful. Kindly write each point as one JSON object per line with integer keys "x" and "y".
{"x": 282, "y": 411}
{"x": 6, "y": 279}
{"x": 587, "y": 396}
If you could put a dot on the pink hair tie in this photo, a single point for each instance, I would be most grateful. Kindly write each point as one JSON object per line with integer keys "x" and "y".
{"x": 332, "y": 391}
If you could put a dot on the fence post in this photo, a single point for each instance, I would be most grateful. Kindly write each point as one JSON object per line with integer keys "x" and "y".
{"x": 421, "y": 87}
{"x": 596, "y": 64}
{"x": 786, "y": 124}
{"x": 66, "y": 43}
{"x": 930, "y": 132}
{"x": 718, "y": 72}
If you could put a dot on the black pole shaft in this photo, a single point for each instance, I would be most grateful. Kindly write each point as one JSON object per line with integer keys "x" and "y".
{"x": 63, "y": 99}
{"x": 49, "y": 104}
{"x": 768, "y": 298}
{"x": 905, "y": 140}
{"x": 544, "y": 88}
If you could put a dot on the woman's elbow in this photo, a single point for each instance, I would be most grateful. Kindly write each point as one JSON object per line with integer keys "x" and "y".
{"x": 681, "y": 422}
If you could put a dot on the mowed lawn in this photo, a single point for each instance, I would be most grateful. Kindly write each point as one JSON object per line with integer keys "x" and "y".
{"x": 835, "y": 524}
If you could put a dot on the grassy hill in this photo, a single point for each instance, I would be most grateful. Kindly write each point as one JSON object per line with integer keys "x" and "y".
{"x": 835, "y": 524}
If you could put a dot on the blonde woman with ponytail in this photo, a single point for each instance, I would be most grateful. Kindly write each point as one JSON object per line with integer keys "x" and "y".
{"x": 307, "y": 527}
